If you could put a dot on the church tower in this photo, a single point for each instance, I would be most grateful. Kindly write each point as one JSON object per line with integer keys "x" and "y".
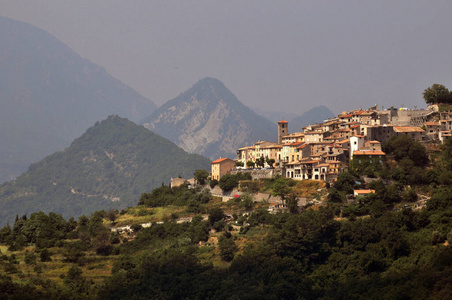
{"x": 283, "y": 129}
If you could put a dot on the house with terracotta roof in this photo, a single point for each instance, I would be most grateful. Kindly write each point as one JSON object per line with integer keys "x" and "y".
{"x": 367, "y": 161}
{"x": 313, "y": 136}
{"x": 358, "y": 193}
{"x": 443, "y": 135}
{"x": 293, "y": 137}
{"x": 271, "y": 151}
{"x": 416, "y": 133}
{"x": 290, "y": 152}
{"x": 381, "y": 133}
{"x": 221, "y": 167}
{"x": 446, "y": 125}
{"x": 320, "y": 171}
{"x": 246, "y": 154}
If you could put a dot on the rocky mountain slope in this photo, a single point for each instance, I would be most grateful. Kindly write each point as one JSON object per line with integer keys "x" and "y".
{"x": 315, "y": 115}
{"x": 209, "y": 120}
{"x": 49, "y": 95}
{"x": 109, "y": 166}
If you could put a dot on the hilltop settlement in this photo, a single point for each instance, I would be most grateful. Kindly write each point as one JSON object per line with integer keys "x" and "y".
{"x": 323, "y": 151}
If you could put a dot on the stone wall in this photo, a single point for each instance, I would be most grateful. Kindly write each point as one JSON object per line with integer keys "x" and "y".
{"x": 404, "y": 117}
{"x": 260, "y": 173}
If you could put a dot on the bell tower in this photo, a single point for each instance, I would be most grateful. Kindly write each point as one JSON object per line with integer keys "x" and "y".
{"x": 283, "y": 129}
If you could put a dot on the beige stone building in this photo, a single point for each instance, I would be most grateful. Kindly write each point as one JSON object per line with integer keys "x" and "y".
{"x": 416, "y": 133}
{"x": 221, "y": 167}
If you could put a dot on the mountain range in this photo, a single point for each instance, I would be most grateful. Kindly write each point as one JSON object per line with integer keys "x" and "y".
{"x": 109, "y": 166}
{"x": 209, "y": 120}
{"x": 49, "y": 95}
{"x": 316, "y": 114}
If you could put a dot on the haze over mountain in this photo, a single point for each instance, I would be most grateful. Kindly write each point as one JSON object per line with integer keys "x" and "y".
{"x": 317, "y": 114}
{"x": 49, "y": 95}
{"x": 109, "y": 166}
{"x": 209, "y": 120}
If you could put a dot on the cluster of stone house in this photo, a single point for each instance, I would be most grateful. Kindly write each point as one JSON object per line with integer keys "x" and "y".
{"x": 323, "y": 151}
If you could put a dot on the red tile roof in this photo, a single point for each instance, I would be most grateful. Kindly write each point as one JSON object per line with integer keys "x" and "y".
{"x": 368, "y": 153}
{"x": 220, "y": 160}
{"x": 408, "y": 129}
{"x": 364, "y": 191}
{"x": 283, "y": 121}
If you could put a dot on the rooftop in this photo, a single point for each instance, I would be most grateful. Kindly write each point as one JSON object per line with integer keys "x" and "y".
{"x": 369, "y": 152}
{"x": 407, "y": 129}
{"x": 220, "y": 160}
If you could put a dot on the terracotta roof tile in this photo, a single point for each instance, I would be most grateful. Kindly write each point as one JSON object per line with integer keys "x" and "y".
{"x": 220, "y": 160}
{"x": 368, "y": 153}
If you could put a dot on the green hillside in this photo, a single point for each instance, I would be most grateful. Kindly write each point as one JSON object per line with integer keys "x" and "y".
{"x": 109, "y": 166}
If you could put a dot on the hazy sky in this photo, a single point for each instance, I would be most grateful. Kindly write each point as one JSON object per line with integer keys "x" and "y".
{"x": 276, "y": 55}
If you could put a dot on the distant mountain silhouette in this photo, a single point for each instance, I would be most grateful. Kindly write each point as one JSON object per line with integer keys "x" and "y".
{"x": 209, "y": 120}
{"x": 275, "y": 116}
{"x": 109, "y": 166}
{"x": 317, "y": 114}
{"x": 49, "y": 95}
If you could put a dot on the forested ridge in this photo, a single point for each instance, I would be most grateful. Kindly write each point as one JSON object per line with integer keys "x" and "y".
{"x": 377, "y": 247}
{"x": 109, "y": 166}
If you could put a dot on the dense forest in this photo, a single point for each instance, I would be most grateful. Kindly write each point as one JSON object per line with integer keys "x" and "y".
{"x": 382, "y": 246}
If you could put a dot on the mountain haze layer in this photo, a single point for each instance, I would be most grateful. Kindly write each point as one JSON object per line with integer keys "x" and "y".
{"x": 49, "y": 95}
{"x": 109, "y": 166}
{"x": 315, "y": 115}
{"x": 209, "y": 120}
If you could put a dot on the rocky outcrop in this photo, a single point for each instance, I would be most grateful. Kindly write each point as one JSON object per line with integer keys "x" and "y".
{"x": 209, "y": 120}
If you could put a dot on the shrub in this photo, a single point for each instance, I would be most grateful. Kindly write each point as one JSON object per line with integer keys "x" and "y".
{"x": 30, "y": 259}
{"x": 45, "y": 255}
{"x": 213, "y": 183}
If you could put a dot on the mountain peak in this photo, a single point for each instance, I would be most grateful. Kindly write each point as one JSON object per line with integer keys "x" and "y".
{"x": 208, "y": 119}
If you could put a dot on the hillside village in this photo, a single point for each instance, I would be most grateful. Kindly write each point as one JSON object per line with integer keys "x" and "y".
{"x": 325, "y": 150}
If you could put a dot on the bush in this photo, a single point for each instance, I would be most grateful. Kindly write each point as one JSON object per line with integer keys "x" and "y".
{"x": 30, "y": 259}
{"x": 104, "y": 250}
{"x": 136, "y": 227}
{"x": 228, "y": 248}
{"x": 228, "y": 182}
{"x": 219, "y": 225}
{"x": 213, "y": 183}
{"x": 45, "y": 255}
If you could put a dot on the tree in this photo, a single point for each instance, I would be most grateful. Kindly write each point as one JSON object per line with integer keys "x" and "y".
{"x": 404, "y": 147}
{"x": 228, "y": 248}
{"x": 45, "y": 255}
{"x": 247, "y": 202}
{"x": 250, "y": 164}
{"x": 76, "y": 282}
{"x": 213, "y": 183}
{"x": 270, "y": 162}
{"x": 228, "y": 182}
{"x": 437, "y": 93}
{"x": 292, "y": 203}
{"x": 239, "y": 163}
{"x": 215, "y": 215}
{"x": 281, "y": 188}
{"x": 201, "y": 176}
{"x": 111, "y": 215}
{"x": 260, "y": 162}
{"x": 345, "y": 182}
